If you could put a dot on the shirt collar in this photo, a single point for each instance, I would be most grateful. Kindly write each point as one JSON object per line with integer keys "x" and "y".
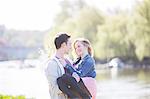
{"x": 86, "y": 56}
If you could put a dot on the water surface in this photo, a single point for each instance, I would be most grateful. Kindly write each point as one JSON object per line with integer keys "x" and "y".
{"x": 112, "y": 83}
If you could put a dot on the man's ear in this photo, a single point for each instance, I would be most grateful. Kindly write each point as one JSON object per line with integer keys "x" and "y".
{"x": 63, "y": 44}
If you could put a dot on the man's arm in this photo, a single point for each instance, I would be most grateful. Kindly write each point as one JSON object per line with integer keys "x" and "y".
{"x": 52, "y": 73}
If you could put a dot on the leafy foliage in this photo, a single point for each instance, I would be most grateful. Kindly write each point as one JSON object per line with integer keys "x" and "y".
{"x": 119, "y": 34}
{"x": 12, "y": 97}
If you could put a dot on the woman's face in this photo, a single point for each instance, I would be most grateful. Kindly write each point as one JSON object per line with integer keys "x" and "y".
{"x": 79, "y": 48}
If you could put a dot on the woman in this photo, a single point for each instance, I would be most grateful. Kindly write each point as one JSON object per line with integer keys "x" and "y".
{"x": 84, "y": 67}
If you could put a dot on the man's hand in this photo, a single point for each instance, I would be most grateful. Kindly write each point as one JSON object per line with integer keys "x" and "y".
{"x": 76, "y": 76}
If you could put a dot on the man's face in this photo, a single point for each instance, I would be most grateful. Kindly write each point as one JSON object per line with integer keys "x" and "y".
{"x": 68, "y": 46}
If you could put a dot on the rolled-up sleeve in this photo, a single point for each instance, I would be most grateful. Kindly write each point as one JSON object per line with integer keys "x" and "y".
{"x": 86, "y": 67}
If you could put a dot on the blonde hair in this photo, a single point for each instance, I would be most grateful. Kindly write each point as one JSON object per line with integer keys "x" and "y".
{"x": 86, "y": 43}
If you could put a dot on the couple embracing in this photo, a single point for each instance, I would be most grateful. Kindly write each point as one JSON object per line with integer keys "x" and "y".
{"x": 71, "y": 80}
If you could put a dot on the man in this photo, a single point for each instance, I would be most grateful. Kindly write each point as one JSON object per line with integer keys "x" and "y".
{"x": 55, "y": 68}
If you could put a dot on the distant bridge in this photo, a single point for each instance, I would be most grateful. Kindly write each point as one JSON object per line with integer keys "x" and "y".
{"x": 10, "y": 53}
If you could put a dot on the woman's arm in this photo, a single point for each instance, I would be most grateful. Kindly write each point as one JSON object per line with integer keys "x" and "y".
{"x": 86, "y": 67}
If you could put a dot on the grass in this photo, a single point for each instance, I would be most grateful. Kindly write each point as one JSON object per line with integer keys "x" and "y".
{"x": 12, "y": 97}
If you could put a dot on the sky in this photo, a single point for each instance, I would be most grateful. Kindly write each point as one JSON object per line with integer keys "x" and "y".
{"x": 39, "y": 14}
{"x": 104, "y": 5}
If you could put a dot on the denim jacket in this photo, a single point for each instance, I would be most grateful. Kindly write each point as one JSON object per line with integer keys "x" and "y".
{"x": 86, "y": 68}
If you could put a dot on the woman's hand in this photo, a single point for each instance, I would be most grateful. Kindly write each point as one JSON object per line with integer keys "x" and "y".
{"x": 76, "y": 76}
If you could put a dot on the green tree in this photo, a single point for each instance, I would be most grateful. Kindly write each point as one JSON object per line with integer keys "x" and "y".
{"x": 113, "y": 39}
{"x": 141, "y": 29}
{"x": 78, "y": 19}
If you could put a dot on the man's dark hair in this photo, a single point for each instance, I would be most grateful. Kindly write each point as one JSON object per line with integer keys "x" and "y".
{"x": 61, "y": 38}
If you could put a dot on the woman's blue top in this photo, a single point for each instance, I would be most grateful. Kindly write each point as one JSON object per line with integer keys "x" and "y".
{"x": 86, "y": 68}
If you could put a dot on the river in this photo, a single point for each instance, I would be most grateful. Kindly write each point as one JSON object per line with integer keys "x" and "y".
{"x": 111, "y": 83}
